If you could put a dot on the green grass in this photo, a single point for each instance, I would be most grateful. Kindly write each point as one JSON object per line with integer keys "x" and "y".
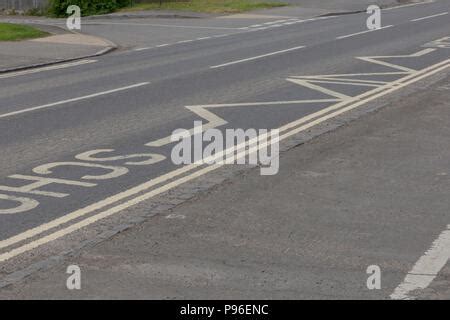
{"x": 13, "y": 32}
{"x": 208, "y": 6}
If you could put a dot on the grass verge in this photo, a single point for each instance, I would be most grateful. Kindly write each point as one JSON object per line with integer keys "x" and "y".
{"x": 14, "y": 32}
{"x": 207, "y": 6}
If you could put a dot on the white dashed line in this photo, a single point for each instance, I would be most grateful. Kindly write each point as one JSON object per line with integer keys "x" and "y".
{"x": 408, "y": 5}
{"x": 141, "y": 49}
{"x": 45, "y": 106}
{"x": 429, "y": 17}
{"x": 271, "y": 22}
{"x": 184, "y": 41}
{"x": 362, "y": 32}
{"x": 257, "y": 57}
{"x": 49, "y": 68}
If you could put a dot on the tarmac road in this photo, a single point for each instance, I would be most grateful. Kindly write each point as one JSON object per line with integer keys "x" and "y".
{"x": 124, "y": 106}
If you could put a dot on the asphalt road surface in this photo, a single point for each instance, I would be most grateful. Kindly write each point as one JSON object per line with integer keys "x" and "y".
{"x": 86, "y": 141}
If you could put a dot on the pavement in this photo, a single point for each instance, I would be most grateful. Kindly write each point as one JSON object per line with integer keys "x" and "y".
{"x": 59, "y": 46}
{"x": 88, "y": 177}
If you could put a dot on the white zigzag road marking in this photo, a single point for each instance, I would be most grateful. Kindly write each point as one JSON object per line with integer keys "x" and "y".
{"x": 311, "y": 82}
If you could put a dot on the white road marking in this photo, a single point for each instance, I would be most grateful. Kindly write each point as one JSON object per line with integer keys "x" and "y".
{"x": 375, "y": 59}
{"x": 159, "y": 25}
{"x": 429, "y": 17}
{"x": 262, "y": 28}
{"x": 426, "y": 268}
{"x": 163, "y": 45}
{"x": 214, "y": 121}
{"x": 141, "y": 49}
{"x": 271, "y": 22}
{"x": 261, "y": 103}
{"x": 257, "y": 57}
{"x": 408, "y": 5}
{"x": 439, "y": 43}
{"x": 49, "y": 68}
{"x": 203, "y": 38}
{"x": 281, "y": 23}
{"x": 25, "y": 204}
{"x": 53, "y": 104}
{"x": 362, "y": 32}
{"x": 323, "y": 18}
{"x": 185, "y": 41}
{"x": 310, "y": 85}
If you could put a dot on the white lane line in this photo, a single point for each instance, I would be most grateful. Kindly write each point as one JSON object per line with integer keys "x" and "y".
{"x": 408, "y": 5}
{"x": 281, "y": 23}
{"x": 163, "y": 45}
{"x": 426, "y": 268}
{"x": 142, "y": 49}
{"x": 159, "y": 25}
{"x": 49, "y": 68}
{"x": 10, "y": 114}
{"x": 184, "y": 41}
{"x": 271, "y": 22}
{"x": 257, "y": 57}
{"x": 362, "y": 32}
{"x": 429, "y": 17}
{"x": 203, "y": 38}
{"x": 323, "y": 18}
